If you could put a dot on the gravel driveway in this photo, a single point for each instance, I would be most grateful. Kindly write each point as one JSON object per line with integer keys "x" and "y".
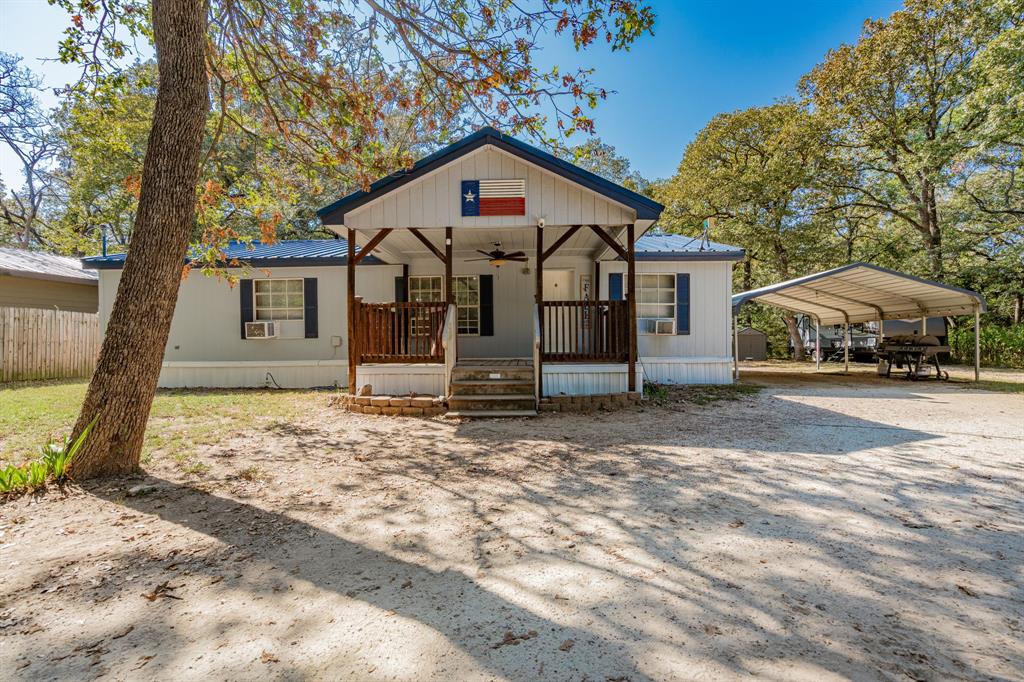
{"x": 818, "y": 530}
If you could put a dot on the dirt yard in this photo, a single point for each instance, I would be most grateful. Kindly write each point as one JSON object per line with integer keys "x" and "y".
{"x": 815, "y": 530}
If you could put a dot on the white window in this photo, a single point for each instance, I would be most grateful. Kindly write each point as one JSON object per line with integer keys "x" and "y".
{"x": 655, "y": 300}
{"x": 467, "y": 298}
{"x": 426, "y": 288}
{"x": 278, "y": 299}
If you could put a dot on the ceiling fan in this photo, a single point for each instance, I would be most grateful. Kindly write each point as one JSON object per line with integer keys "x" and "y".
{"x": 497, "y": 257}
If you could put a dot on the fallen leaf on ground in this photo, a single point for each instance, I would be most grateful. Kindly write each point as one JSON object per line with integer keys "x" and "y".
{"x": 514, "y": 639}
{"x": 736, "y": 524}
{"x": 267, "y": 657}
{"x": 162, "y": 590}
{"x": 566, "y": 645}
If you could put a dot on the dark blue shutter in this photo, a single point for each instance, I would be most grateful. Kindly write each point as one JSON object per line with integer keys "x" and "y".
{"x": 401, "y": 290}
{"x": 615, "y": 286}
{"x": 311, "y": 312}
{"x": 486, "y": 305}
{"x": 245, "y": 302}
{"x": 683, "y": 303}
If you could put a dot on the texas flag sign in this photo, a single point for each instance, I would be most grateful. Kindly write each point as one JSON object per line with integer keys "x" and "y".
{"x": 493, "y": 197}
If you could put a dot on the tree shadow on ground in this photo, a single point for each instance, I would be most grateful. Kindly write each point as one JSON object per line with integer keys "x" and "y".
{"x": 661, "y": 543}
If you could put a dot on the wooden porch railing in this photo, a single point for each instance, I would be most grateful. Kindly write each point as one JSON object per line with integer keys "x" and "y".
{"x": 401, "y": 332}
{"x": 585, "y": 331}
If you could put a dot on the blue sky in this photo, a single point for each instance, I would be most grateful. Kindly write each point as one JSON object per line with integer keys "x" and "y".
{"x": 706, "y": 57}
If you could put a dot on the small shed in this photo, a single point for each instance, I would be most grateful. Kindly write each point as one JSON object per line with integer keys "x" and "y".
{"x": 752, "y": 344}
{"x": 33, "y": 279}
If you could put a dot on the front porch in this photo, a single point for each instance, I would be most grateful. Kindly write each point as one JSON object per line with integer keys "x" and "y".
{"x": 582, "y": 343}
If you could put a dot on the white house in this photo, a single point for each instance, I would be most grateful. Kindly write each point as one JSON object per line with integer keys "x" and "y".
{"x": 489, "y": 262}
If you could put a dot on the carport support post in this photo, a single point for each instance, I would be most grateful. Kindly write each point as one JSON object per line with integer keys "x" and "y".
{"x": 817, "y": 344}
{"x": 977, "y": 343}
{"x": 735, "y": 347}
{"x": 846, "y": 347}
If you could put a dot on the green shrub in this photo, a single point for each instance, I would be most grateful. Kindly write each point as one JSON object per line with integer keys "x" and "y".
{"x": 52, "y": 463}
{"x": 1000, "y": 346}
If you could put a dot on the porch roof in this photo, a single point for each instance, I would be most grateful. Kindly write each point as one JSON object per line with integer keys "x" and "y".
{"x": 646, "y": 208}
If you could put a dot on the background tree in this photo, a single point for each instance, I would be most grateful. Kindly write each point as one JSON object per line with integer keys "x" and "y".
{"x": 899, "y": 101}
{"x": 750, "y": 171}
{"x": 323, "y": 82}
{"x": 24, "y": 129}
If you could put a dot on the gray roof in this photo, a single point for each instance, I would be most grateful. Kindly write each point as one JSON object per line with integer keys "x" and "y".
{"x": 657, "y": 245}
{"x": 861, "y": 292}
{"x": 39, "y": 265}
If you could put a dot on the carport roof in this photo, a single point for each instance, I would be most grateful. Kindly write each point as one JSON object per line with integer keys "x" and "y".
{"x": 860, "y": 292}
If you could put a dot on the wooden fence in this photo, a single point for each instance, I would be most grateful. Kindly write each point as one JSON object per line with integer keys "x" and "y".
{"x": 39, "y": 343}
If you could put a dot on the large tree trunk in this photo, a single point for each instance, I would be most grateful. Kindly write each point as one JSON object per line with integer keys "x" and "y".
{"x": 794, "y": 337}
{"x": 122, "y": 388}
{"x": 932, "y": 233}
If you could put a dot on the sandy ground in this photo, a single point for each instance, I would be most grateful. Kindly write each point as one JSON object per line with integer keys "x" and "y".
{"x": 818, "y": 530}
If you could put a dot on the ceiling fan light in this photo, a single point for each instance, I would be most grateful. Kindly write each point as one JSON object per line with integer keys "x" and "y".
{"x": 498, "y": 262}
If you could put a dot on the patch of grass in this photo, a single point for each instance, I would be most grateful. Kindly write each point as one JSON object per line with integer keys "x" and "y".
{"x": 990, "y": 385}
{"x": 195, "y": 467}
{"x": 253, "y": 473}
{"x": 181, "y": 420}
{"x": 664, "y": 394}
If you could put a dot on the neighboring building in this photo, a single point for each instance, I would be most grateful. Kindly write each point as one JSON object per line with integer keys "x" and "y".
{"x": 752, "y": 344}
{"x": 452, "y": 250}
{"x": 31, "y": 279}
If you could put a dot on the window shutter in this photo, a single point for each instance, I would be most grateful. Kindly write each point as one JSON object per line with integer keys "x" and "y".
{"x": 311, "y": 313}
{"x": 486, "y": 305}
{"x": 401, "y": 290}
{"x": 683, "y": 303}
{"x": 615, "y": 286}
{"x": 245, "y": 302}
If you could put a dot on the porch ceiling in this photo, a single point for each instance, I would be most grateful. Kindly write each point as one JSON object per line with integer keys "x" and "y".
{"x": 400, "y": 244}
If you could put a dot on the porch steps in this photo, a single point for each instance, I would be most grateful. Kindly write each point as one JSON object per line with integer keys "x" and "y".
{"x": 492, "y": 390}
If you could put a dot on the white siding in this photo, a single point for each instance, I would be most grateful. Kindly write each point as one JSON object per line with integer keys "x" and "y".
{"x": 205, "y": 347}
{"x": 710, "y": 310}
{"x": 434, "y": 200}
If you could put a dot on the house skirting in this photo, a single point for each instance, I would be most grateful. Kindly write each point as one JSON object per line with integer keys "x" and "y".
{"x": 570, "y": 378}
{"x": 402, "y": 378}
{"x": 253, "y": 374}
{"x": 687, "y": 370}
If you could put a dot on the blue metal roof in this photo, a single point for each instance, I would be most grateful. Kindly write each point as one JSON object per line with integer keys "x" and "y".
{"x": 299, "y": 252}
{"x": 646, "y": 208}
{"x": 306, "y": 252}
{"x": 657, "y": 245}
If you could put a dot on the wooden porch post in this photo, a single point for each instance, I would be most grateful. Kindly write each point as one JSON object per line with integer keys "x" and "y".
{"x": 631, "y": 302}
{"x": 353, "y": 357}
{"x": 449, "y": 293}
{"x": 539, "y": 294}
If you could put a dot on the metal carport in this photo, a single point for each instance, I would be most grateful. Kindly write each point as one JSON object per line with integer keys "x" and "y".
{"x": 862, "y": 292}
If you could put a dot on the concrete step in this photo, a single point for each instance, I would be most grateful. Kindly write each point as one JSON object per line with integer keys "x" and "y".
{"x": 485, "y": 372}
{"x": 502, "y": 402}
{"x": 490, "y": 414}
{"x": 492, "y": 386}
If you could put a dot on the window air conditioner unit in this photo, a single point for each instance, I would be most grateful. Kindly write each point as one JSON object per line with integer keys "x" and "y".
{"x": 260, "y": 330}
{"x": 665, "y": 326}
